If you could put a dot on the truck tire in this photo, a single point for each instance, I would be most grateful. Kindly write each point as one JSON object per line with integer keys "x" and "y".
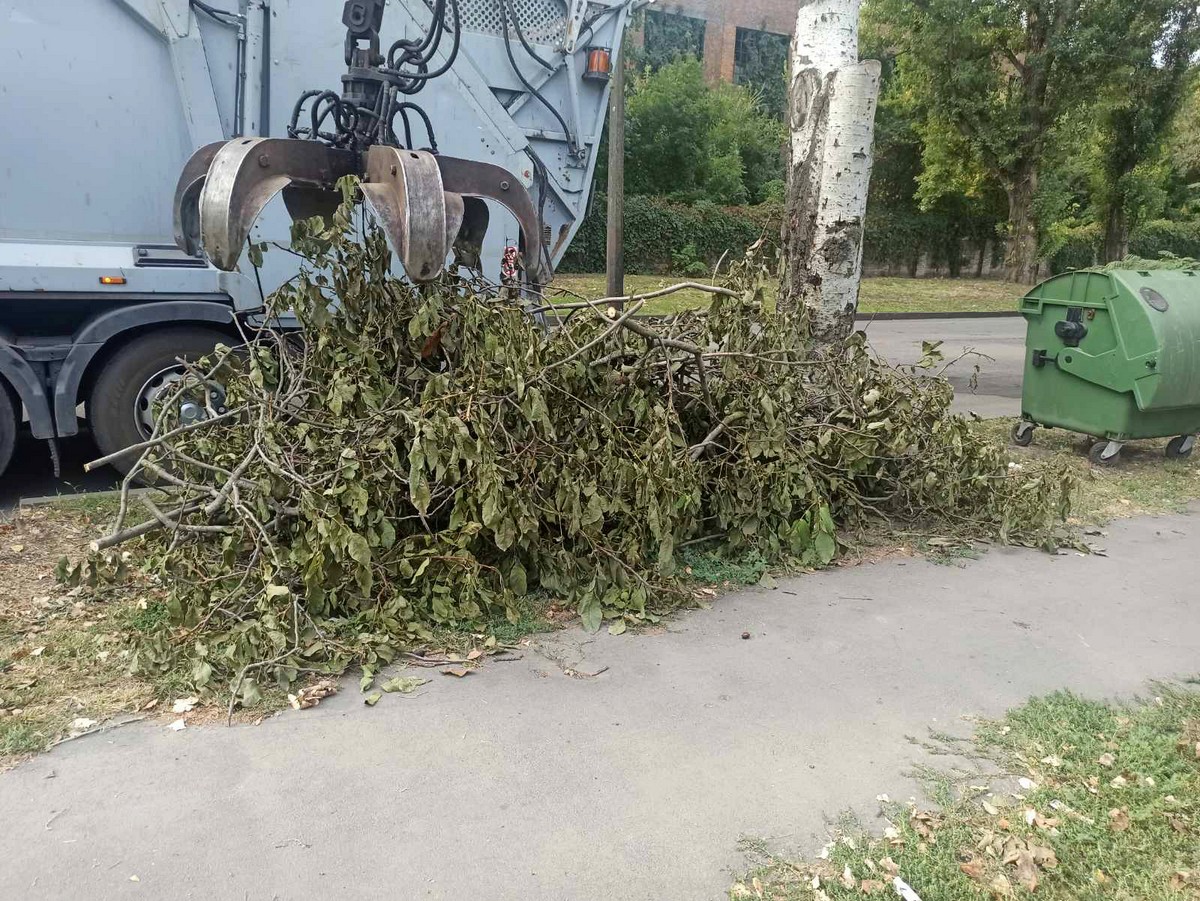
{"x": 132, "y": 373}
{"x": 9, "y": 424}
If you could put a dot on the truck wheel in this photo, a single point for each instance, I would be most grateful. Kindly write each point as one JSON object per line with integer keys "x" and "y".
{"x": 8, "y": 428}
{"x": 120, "y": 407}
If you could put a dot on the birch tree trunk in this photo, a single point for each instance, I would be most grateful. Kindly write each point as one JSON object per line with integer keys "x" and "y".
{"x": 833, "y": 100}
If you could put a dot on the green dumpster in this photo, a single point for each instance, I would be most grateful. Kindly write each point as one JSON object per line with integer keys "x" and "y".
{"x": 1114, "y": 354}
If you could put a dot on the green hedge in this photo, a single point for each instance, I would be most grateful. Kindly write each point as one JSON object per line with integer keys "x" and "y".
{"x": 1080, "y": 247}
{"x": 661, "y": 236}
{"x": 901, "y": 238}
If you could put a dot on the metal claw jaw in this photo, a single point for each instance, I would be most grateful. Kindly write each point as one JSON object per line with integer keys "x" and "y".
{"x": 427, "y": 204}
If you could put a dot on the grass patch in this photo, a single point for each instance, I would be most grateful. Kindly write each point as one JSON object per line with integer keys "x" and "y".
{"x": 1144, "y": 482}
{"x": 714, "y": 569}
{"x": 879, "y": 295}
{"x": 63, "y": 655}
{"x": 1106, "y": 806}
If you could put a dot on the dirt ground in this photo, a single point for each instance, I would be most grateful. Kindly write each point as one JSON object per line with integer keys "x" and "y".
{"x": 64, "y": 658}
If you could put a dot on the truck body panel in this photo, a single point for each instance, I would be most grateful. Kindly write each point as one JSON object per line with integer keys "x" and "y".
{"x": 105, "y": 100}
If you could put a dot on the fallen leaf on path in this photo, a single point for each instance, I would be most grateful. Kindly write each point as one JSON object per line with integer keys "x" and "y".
{"x": 312, "y": 695}
{"x": 178, "y": 726}
{"x": 458, "y": 672}
{"x": 618, "y": 628}
{"x": 82, "y": 724}
{"x": 990, "y": 809}
{"x": 475, "y": 654}
{"x": 184, "y": 705}
{"x": 372, "y": 699}
{"x": 404, "y": 685}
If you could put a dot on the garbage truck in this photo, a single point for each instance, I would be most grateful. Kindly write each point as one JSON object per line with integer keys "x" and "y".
{"x": 146, "y": 143}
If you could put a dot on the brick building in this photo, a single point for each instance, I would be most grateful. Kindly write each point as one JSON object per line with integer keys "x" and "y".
{"x": 724, "y": 32}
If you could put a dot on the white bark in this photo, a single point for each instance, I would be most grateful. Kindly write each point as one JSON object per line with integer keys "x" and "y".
{"x": 833, "y": 103}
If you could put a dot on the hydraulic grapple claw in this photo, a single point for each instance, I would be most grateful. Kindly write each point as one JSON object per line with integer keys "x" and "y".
{"x": 428, "y": 204}
{"x": 246, "y": 173}
{"x": 405, "y": 189}
{"x": 187, "y": 197}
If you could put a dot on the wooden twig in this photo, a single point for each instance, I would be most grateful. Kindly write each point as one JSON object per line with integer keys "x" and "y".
{"x": 697, "y": 450}
{"x": 154, "y": 442}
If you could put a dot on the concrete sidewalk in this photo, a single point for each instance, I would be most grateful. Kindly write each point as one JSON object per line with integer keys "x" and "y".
{"x": 521, "y": 782}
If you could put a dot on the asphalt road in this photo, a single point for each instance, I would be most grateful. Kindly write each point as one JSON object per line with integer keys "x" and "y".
{"x": 995, "y": 344}
{"x": 525, "y": 783}
{"x": 998, "y": 394}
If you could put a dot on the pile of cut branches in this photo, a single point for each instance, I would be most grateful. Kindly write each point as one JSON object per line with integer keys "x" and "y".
{"x": 426, "y": 456}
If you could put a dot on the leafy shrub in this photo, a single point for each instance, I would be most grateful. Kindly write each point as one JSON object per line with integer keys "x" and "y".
{"x": 663, "y": 236}
{"x": 688, "y": 139}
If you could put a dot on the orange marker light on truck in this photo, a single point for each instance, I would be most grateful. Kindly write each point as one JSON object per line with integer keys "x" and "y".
{"x": 599, "y": 63}
{"x": 112, "y": 279}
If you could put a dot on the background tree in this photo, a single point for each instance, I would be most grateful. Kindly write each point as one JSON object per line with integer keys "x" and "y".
{"x": 1137, "y": 112}
{"x": 993, "y": 77}
{"x": 832, "y": 121}
{"x": 689, "y": 140}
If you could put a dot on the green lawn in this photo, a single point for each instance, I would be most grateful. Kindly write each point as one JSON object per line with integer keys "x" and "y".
{"x": 1099, "y": 802}
{"x": 879, "y": 295}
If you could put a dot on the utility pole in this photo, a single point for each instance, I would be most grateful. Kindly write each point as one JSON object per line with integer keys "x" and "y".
{"x": 616, "y": 180}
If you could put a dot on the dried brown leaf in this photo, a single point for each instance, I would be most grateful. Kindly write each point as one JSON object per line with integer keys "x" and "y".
{"x": 1118, "y": 819}
{"x": 973, "y": 868}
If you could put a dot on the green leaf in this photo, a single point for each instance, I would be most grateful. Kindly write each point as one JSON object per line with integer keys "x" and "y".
{"x": 403, "y": 684}
{"x": 359, "y": 550}
{"x": 277, "y": 591}
{"x": 591, "y": 612}
{"x": 825, "y": 547}
{"x": 618, "y": 628}
{"x": 372, "y": 699}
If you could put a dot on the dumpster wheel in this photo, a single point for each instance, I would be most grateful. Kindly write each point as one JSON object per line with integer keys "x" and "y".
{"x": 1105, "y": 453}
{"x": 1022, "y": 433}
{"x": 1180, "y": 448}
